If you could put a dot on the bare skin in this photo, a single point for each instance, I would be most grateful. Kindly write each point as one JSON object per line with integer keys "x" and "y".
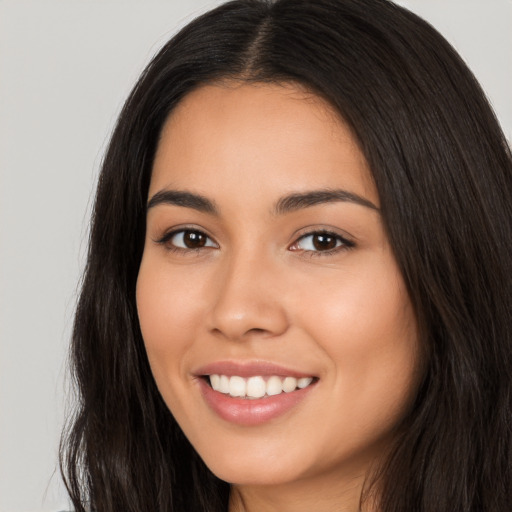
{"x": 252, "y": 276}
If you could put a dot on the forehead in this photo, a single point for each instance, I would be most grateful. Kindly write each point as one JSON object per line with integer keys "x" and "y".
{"x": 254, "y": 136}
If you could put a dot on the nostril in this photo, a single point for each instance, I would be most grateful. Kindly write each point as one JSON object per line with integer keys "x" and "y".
{"x": 256, "y": 330}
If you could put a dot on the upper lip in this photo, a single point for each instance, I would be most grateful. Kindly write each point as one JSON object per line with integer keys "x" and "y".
{"x": 249, "y": 369}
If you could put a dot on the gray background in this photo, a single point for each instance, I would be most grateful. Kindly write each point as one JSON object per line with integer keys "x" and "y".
{"x": 65, "y": 68}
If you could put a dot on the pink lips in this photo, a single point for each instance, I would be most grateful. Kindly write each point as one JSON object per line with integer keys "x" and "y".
{"x": 245, "y": 412}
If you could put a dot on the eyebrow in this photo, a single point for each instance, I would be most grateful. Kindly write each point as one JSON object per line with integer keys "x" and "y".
{"x": 184, "y": 199}
{"x": 286, "y": 204}
{"x": 294, "y": 202}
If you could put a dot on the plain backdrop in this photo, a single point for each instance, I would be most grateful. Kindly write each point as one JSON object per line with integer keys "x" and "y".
{"x": 65, "y": 69}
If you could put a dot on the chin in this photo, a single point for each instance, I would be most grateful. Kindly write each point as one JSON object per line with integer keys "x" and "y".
{"x": 255, "y": 467}
{"x": 254, "y": 474}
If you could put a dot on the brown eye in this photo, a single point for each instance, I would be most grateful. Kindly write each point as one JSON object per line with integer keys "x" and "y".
{"x": 194, "y": 239}
{"x": 188, "y": 239}
{"x": 324, "y": 241}
{"x": 321, "y": 242}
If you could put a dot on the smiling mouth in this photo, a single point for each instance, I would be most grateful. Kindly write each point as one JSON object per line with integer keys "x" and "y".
{"x": 256, "y": 387}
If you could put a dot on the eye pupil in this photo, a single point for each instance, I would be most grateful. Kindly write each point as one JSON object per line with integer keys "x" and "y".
{"x": 194, "y": 239}
{"x": 323, "y": 242}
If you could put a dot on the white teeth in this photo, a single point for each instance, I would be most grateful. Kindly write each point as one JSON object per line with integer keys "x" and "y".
{"x": 289, "y": 384}
{"x": 304, "y": 382}
{"x": 274, "y": 386}
{"x": 224, "y": 384}
{"x": 257, "y": 386}
{"x": 215, "y": 381}
{"x": 237, "y": 386}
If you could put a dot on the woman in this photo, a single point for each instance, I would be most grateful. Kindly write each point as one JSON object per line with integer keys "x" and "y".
{"x": 297, "y": 295}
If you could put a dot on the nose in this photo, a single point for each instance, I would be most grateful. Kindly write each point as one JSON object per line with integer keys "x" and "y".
{"x": 248, "y": 300}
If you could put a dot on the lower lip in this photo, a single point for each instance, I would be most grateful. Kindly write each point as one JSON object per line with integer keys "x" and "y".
{"x": 251, "y": 412}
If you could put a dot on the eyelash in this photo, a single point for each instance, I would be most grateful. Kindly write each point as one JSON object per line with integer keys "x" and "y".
{"x": 342, "y": 243}
{"x": 166, "y": 240}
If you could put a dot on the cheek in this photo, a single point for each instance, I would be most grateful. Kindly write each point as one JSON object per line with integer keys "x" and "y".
{"x": 366, "y": 307}
{"x": 168, "y": 307}
{"x": 366, "y": 326}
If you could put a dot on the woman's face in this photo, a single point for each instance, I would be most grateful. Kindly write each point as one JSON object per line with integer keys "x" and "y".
{"x": 266, "y": 267}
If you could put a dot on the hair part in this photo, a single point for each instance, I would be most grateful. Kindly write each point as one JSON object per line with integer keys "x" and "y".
{"x": 443, "y": 171}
